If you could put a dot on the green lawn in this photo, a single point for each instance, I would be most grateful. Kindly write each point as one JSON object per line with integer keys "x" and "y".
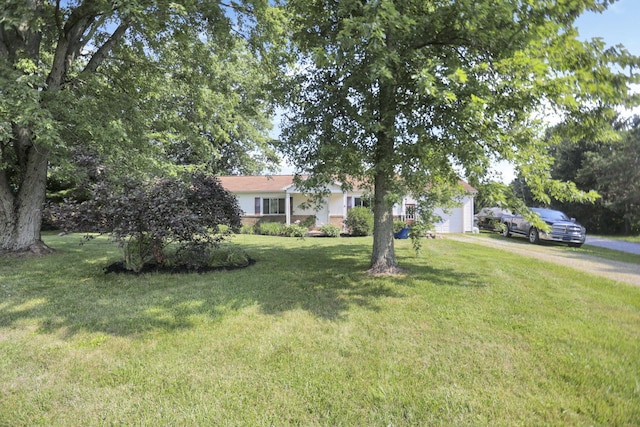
{"x": 471, "y": 336}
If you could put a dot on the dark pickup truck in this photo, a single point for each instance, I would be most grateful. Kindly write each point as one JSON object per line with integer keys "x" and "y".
{"x": 563, "y": 229}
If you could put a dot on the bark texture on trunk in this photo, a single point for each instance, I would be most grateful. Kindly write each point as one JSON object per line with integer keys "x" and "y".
{"x": 383, "y": 258}
{"x": 21, "y": 208}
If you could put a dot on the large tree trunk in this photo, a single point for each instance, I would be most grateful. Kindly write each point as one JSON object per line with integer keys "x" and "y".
{"x": 383, "y": 258}
{"x": 21, "y": 207}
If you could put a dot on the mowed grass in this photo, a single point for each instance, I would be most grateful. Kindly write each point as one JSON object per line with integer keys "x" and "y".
{"x": 470, "y": 336}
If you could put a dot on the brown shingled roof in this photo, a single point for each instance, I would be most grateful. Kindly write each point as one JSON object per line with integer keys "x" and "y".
{"x": 468, "y": 188}
{"x": 252, "y": 184}
{"x": 276, "y": 183}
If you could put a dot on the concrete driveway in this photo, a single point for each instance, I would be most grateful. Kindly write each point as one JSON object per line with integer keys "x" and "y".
{"x": 630, "y": 247}
{"x": 615, "y": 270}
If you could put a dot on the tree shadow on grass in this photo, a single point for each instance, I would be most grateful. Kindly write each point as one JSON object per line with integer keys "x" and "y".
{"x": 445, "y": 277}
{"x": 326, "y": 281}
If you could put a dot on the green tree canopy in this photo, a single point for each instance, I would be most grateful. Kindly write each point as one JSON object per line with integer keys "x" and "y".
{"x": 614, "y": 170}
{"x": 409, "y": 94}
{"x": 137, "y": 85}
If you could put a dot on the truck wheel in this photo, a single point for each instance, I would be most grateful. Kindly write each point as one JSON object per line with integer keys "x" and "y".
{"x": 505, "y": 230}
{"x": 534, "y": 237}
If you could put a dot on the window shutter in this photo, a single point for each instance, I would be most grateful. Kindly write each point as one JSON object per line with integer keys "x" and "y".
{"x": 257, "y": 206}
{"x": 349, "y": 202}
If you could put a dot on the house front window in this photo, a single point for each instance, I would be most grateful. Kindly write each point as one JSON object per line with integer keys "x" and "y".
{"x": 274, "y": 206}
{"x": 364, "y": 202}
{"x": 410, "y": 211}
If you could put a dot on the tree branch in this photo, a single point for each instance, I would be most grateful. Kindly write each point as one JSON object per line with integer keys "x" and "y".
{"x": 69, "y": 41}
{"x": 100, "y": 55}
{"x": 57, "y": 17}
{"x": 454, "y": 42}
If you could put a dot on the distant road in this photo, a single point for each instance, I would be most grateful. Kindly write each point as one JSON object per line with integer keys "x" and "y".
{"x": 618, "y": 245}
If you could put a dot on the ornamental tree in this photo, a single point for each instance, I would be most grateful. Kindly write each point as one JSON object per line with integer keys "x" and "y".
{"x": 407, "y": 95}
{"x": 146, "y": 217}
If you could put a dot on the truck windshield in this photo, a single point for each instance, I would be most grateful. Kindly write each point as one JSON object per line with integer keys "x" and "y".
{"x": 552, "y": 215}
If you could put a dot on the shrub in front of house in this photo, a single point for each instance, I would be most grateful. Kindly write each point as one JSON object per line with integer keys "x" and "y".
{"x": 279, "y": 229}
{"x": 309, "y": 222}
{"x": 223, "y": 229}
{"x": 330, "y": 230}
{"x": 294, "y": 230}
{"x": 359, "y": 221}
{"x": 228, "y": 256}
{"x": 270, "y": 228}
{"x": 247, "y": 229}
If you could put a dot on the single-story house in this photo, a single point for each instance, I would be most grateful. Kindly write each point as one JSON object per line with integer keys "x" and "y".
{"x": 275, "y": 198}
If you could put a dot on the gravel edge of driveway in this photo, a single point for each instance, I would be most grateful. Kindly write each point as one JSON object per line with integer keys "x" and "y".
{"x": 614, "y": 270}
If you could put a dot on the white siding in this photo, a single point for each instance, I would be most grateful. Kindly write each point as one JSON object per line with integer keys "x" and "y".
{"x": 299, "y": 199}
{"x": 467, "y": 215}
{"x": 247, "y": 202}
{"x": 337, "y": 204}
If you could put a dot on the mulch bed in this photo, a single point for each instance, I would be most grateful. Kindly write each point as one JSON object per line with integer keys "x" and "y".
{"x": 119, "y": 268}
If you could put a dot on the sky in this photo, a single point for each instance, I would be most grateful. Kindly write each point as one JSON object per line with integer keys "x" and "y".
{"x": 619, "y": 24}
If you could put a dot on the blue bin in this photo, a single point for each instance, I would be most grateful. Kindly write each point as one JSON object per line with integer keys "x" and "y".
{"x": 402, "y": 234}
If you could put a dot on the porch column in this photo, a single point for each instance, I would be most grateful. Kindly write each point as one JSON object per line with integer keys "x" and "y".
{"x": 287, "y": 207}
{"x": 344, "y": 209}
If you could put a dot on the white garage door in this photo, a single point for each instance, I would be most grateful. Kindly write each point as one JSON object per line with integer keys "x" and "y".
{"x": 451, "y": 223}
